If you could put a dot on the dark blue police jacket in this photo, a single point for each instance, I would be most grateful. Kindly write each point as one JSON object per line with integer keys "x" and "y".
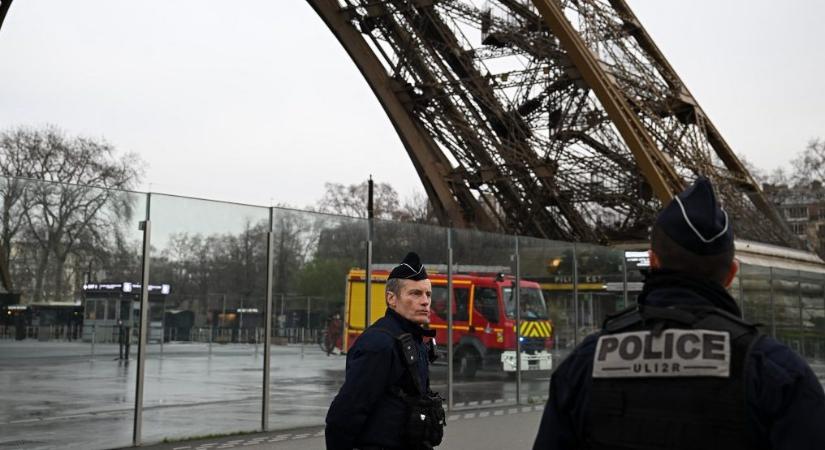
{"x": 785, "y": 401}
{"x": 366, "y": 412}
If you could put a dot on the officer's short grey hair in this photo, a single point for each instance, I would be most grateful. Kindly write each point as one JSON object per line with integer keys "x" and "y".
{"x": 394, "y": 285}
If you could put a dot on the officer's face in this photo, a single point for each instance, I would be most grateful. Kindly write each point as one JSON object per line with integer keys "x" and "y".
{"x": 413, "y": 301}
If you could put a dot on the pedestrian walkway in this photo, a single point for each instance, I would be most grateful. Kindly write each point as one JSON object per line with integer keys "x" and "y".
{"x": 483, "y": 429}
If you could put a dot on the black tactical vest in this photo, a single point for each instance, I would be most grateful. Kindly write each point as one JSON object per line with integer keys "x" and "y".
{"x": 668, "y": 378}
{"x": 426, "y": 418}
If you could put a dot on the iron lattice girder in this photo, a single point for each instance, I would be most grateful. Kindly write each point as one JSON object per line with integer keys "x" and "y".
{"x": 563, "y": 118}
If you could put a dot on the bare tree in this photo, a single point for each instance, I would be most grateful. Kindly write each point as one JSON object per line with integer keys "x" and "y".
{"x": 76, "y": 202}
{"x": 352, "y": 200}
{"x": 809, "y": 165}
{"x": 417, "y": 208}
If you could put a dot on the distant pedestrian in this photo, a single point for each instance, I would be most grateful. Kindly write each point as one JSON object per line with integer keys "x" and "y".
{"x": 124, "y": 340}
{"x": 682, "y": 370}
{"x": 386, "y": 402}
{"x": 334, "y": 331}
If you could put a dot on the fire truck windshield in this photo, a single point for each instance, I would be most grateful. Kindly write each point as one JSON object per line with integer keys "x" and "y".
{"x": 532, "y": 303}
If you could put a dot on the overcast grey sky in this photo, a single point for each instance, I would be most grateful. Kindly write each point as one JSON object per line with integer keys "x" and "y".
{"x": 258, "y": 103}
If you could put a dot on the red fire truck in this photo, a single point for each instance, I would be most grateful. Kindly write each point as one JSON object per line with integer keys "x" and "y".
{"x": 483, "y": 319}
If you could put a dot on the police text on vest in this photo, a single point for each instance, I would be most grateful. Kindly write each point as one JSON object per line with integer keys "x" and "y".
{"x": 674, "y": 353}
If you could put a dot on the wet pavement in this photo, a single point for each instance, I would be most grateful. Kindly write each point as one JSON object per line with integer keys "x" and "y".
{"x": 484, "y": 429}
{"x": 60, "y": 395}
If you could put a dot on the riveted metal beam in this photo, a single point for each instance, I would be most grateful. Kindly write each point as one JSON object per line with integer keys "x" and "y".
{"x": 451, "y": 202}
{"x": 661, "y": 176}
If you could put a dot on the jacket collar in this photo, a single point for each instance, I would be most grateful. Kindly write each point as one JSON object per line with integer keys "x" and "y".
{"x": 666, "y": 288}
{"x": 408, "y": 326}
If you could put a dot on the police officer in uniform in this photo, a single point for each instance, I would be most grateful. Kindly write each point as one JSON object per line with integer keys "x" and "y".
{"x": 682, "y": 369}
{"x": 385, "y": 402}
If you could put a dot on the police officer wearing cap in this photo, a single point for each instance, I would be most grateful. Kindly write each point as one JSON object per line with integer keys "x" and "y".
{"x": 682, "y": 369}
{"x": 379, "y": 397}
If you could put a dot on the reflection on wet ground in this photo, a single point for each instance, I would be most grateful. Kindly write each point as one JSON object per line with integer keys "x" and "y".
{"x": 59, "y": 395}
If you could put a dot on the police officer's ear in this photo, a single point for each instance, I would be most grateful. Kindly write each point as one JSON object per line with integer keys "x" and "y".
{"x": 391, "y": 299}
{"x": 732, "y": 271}
{"x": 655, "y": 262}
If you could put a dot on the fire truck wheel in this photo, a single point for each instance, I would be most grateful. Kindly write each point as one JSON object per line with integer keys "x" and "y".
{"x": 467, "y": 362}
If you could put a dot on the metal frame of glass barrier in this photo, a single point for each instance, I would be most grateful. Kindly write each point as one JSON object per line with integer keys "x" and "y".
{"x": 517, "y": 294}
{"x": 146, "y": 226}
{"x": 270, "y": 239}
{"x": 450, "y": 308}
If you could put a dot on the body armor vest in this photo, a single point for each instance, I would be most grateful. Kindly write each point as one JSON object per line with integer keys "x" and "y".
{"x": 670, "y": 378}
{"x": 426, "y": 418}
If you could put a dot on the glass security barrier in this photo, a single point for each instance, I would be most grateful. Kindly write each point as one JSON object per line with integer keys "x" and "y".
{"x": 485, "y": 341}
{"x": 391, "y": 243}
{"x": 547, "y": 330}
{"x": 66, "y": 326}
{"x": 812, "y": 293}
{"x": 69, "y": 327}
{"x": 756, "y": 296}
{"x": 787, "y": 311}
{"x": 318, "y": 263}
{"x": 207, "y": 278}
{"x": 600, "y": 286}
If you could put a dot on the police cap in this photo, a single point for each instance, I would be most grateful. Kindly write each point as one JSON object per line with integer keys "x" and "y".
{"x": 409, "y": 269}
{"x": 695, "y": 220}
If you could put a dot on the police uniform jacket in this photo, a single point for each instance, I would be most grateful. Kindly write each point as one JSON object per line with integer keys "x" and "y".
{"x": 785, "y": 403}
{"x": 368, "y": 412}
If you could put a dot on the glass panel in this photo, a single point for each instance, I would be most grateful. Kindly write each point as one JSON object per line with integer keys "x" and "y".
{"x": 318, "y": 263}
{"x": 786, "y": 307}
{"x": 755, "y": 293}
{"x": 206, "y": 300}
{"x": 550, "y": 263}
{"x": 60, "y": 372}
{"x": 812, "y": 290}
{"x": 600, "y": 286}
{"x": 391, "y": 242}
{"x": 484, "y": 345}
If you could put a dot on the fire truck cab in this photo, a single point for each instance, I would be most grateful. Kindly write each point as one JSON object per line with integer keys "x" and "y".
{"x": 484, "y": 319}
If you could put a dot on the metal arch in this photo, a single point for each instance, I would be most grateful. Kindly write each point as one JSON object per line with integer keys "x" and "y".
{"x": 715, "y": 138}
{"x": 4, "y": 9}
{"x": 580, "y": 135}
{"x": 659, "y": 173}
{"x": 461, "y": 209}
